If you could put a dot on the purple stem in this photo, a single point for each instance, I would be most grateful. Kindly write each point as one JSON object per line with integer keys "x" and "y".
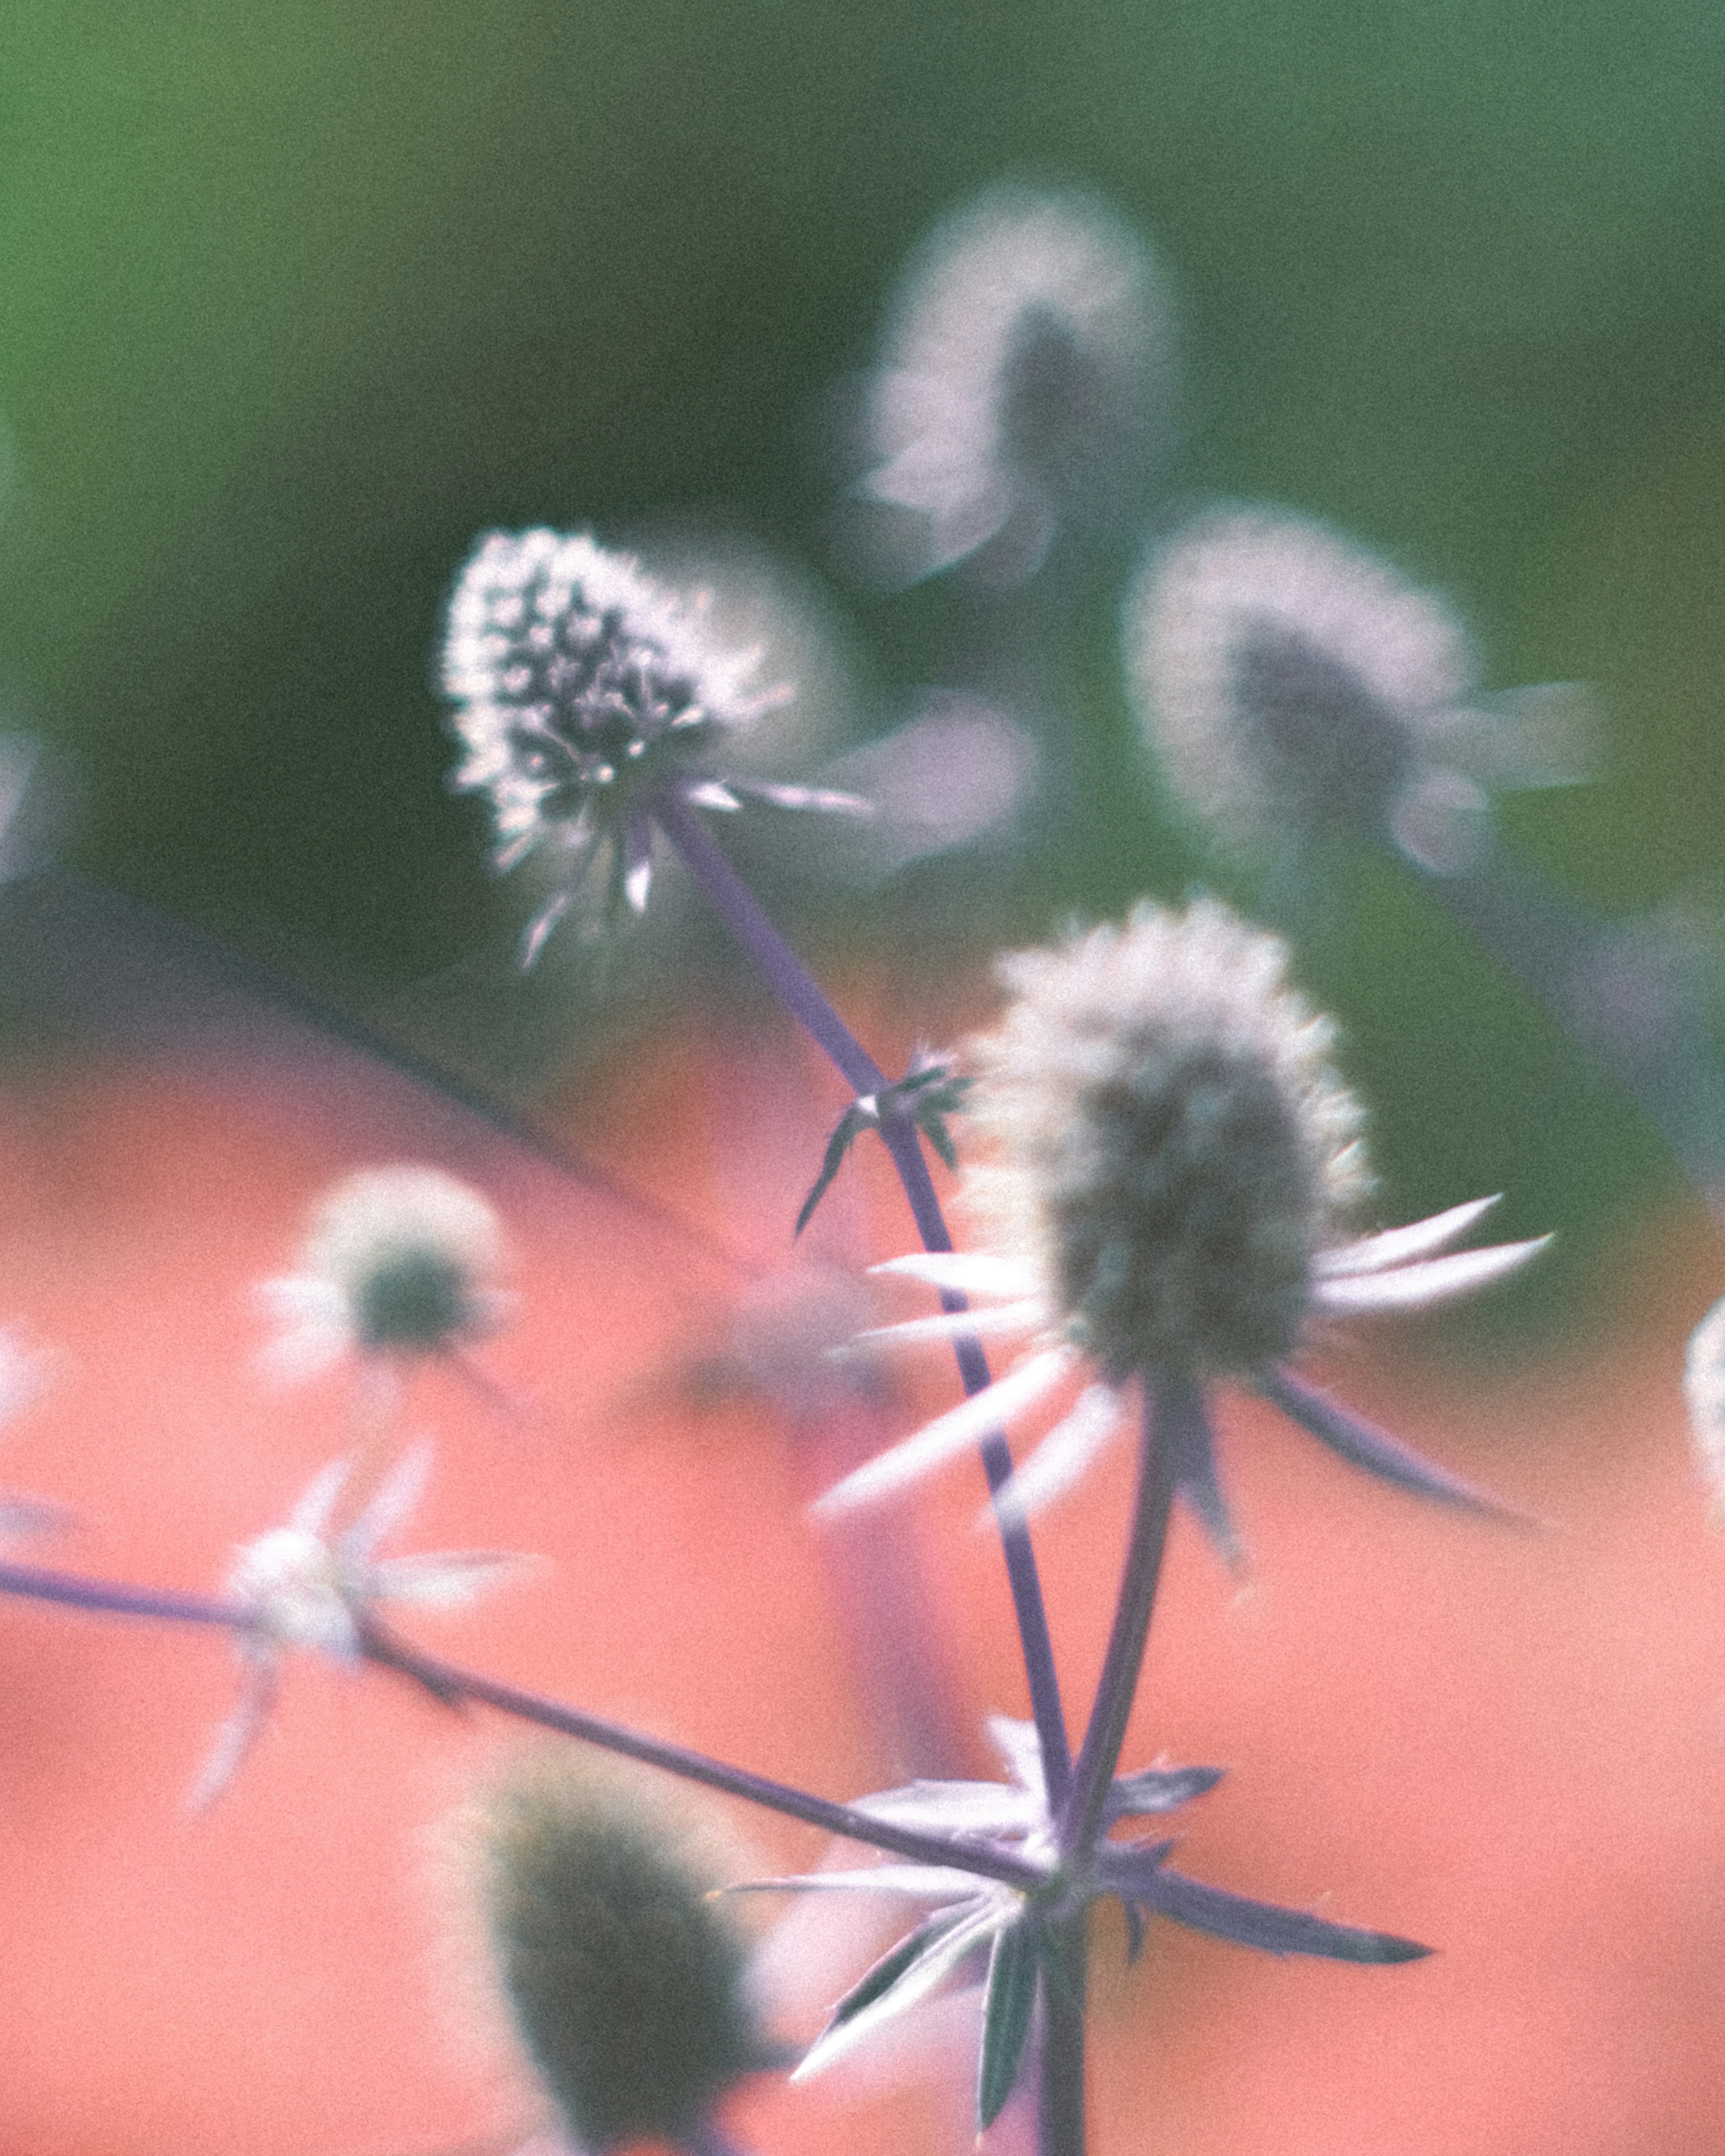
{"x": 40, "y": 1584}
{"x": 1060, "y": 2118}
{"x": 802, "y": 997}
{"x": 1166, "y": 1399}
{"x": 451, "y": 1683}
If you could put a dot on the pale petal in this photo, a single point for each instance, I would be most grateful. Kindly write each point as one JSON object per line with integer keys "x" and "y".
{"x": 393, "y": 1501}
{"x": 922, "y": 1882}
{"x": 988, "y": 1808}
{"x": 238, "y": 1734}
{"x": 1412, "y": 1287}
{"x": 951, "y": 1434}
{"x": 309, "y": 1515}
{"x": 924, "y": 1976}
{"x": 826, "y": 797}
{"x": 709, "y": 793}
{"x": 1397, "y": 1246}
{"x": 1020, "y": 1749}
{"x": 1058, "y": 1460}
{"x": 986, "y": 1324}
{"x": 964, "y": 1272}
{"x": 438, "y": 1579}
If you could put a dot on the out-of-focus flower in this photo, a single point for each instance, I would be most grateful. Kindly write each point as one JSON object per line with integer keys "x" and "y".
{"x": 305, "y": 1585}
{"x": 1024, "y": 385}
{"x": 25, "y": 1373}
{"x": 399, "y": 1261}
{"x": 585, "y": 692}
{"x": 1016, "y": 1928}
{"x": 624, "y": 1974}
{"x": 1704, "y": 1389}
{"x": 1176, "y": 1161}
{"x": 1291, "y": 683}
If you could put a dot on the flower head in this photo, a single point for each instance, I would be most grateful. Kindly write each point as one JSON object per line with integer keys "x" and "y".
{"x": 398, "y": 1261}
{"x": 1023, "y": 380}
{"x": 624, "y": 1972}
{"x": 583, "y": 691}
{"x": 308, "y": 1585}
{"x": 1176, "y": 1163}
{"x": 1290, "y": 680}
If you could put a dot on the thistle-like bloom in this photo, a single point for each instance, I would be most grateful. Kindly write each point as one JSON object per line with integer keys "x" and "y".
{"x": 1289, "y": 682}
{"x": 305, "y": 1585}
{"x": 399, "y": 1261}
{"x": 625, "y": 1976}
{"x": 1177, "y": 1163}
{"x": 1024, "y": 381}
{"x": 980, "y": 1930}
{"x": 585, "y": 693}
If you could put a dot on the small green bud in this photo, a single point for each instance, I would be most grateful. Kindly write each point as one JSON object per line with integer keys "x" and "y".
{"x": 624, "y": 1974}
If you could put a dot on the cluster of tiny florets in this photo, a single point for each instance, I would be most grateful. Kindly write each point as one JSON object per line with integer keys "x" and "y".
{"x": 409, "y": 1251}
{"x": 1024, "y": 377}
{"x": 1285, "y": 673}
{"x": 579, "y": 681}
{"x": 1172, "y": 1147}
{"x": 623, "y": 1974}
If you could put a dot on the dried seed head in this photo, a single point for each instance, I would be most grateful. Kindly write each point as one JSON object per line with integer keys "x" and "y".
{"x": 1173, "y": 1147}
{"x": 1024, "y": 380}
{"x": 1285, "y": 676}
{"x": 623, "y": 1974}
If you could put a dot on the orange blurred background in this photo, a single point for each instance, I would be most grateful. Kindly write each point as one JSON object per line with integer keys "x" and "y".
{"x": 1511, "y": 1746}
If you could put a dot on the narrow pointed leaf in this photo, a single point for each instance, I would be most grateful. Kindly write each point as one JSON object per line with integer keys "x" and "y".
{"x": 1194, "y": 1450}
{"x": 1006, "y": 2018}
{"x": 922, "y": 1882}
{"x": 1399, "y": 1246}
{"x": 964, "y": 1272}
{"x": 986, "y": 1324}
{"x": 1361, "y": 1444}
{"x": 948, "y": 1435}
{"x": 932, "y": 1124}
{"x": 1059, "y": 1461}
{"x": 843, "y": 1131}
{"x": 1154, "y": 1789}
{"x": 993, "y": 1808}
{"x": 909, "y": 1983}
{"x": 1420, "y": 1286}
{"x": 1262, "y": 1924}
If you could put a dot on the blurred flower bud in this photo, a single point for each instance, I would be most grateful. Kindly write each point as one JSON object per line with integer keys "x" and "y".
{"x": 624, "y": 1974}
{"x": 1023, "y": 388}
{"x": 1292, "y": 685}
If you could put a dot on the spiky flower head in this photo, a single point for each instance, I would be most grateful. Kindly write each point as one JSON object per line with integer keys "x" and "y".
{"x": 1291, "y": 682}
{"x": 623, "y": 1971}
{"x": 1024, "y": 381}
{"x": 1174, "y": 1149}
{"x": 583, "y": 690}
{"x": 399, "y": 1259}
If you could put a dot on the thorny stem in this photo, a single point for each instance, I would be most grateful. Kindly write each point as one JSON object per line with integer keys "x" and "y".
{"x": 1165, "y": 1399}
{"x": 802, "y": 997}
{"x": 455, "y": 1685}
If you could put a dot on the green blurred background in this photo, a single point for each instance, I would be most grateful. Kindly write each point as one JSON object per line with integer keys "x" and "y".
{"x": 301, "y": 298}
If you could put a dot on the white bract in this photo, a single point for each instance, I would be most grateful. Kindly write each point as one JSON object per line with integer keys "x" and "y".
{"x": 309, "y": 1585}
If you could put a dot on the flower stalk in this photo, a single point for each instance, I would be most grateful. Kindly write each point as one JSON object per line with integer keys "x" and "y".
{"x": 802, "y": 997}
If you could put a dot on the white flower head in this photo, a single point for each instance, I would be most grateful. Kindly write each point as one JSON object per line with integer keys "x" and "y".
{"x": 307, "y": 1584}
{"x": 584, "y": 691}
{"x": 1291, "y": 682}
{"x": 1024, "y": 381}
{"x": 400, "y": 1261}
{"x": 1176, "y": 1166}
